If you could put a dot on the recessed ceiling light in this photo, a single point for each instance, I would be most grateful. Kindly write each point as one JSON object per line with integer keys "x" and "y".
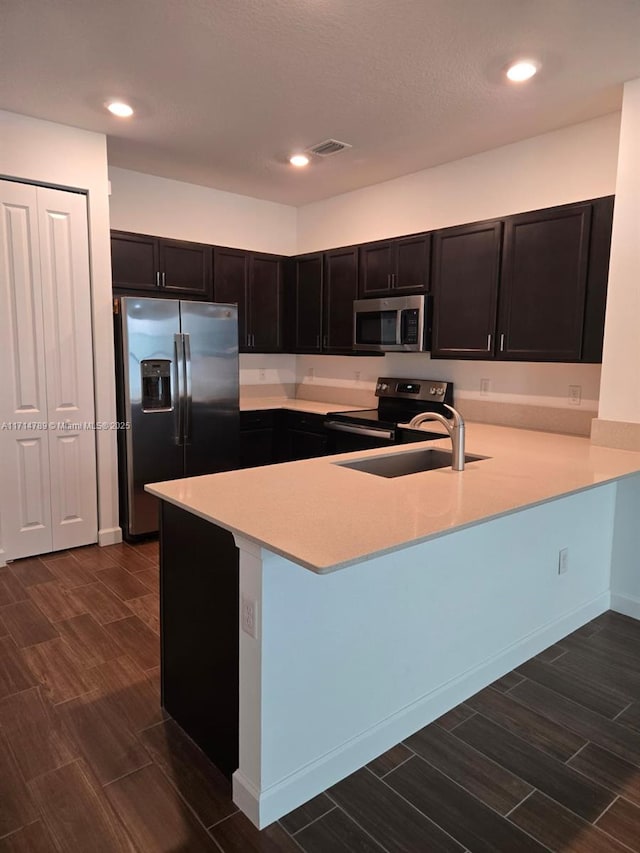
{"x": 118, "y": 108}
{"x": 299, "y": 160}
{"x": 522, "y": 70}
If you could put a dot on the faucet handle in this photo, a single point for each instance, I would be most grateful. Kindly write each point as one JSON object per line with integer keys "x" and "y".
{"x": 458, "y": 420}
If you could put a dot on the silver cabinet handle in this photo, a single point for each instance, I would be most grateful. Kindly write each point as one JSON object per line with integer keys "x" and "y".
{"x": 158, "y": 279}
{"x": 489, "y": 342}
{"x": 393, "y": 279}
{"x": 388, "y": 279}
{"x": 317, "y": 341}
{"x": 501, "y": 343}
{"x": 325, "y": 344}
{"x": 164, "y": 279}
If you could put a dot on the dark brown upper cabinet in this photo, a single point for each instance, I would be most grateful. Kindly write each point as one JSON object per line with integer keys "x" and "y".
{"x": 306, "y": 308}
{"x": 254, "y": 282}
{"x": 160, "y": 266}
{"x": 541, "y": 297}
{"x": 231, "y": 284}
{"x": 466, "y": 272}
{"x": 265, "y": 303}
{"x": 340, "y": 287}
{"x": 397, "y": 266}
{"x": 544, "y": 283}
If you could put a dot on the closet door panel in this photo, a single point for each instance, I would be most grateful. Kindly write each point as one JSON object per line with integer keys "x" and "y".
{"x": 69, "y": 366}
{"x": 25, "y": 512}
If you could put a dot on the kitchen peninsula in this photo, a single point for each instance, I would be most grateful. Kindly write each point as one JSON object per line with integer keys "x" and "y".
{"x": 370, "y": 606}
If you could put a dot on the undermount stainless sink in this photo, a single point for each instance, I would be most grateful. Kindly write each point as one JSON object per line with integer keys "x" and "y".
{"x": 401, "y": 464}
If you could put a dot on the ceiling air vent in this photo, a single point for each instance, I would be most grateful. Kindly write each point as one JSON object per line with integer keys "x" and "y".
{"x": 328, "y": 148}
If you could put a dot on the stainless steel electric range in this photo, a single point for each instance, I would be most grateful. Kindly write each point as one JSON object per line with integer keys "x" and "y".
{"x": 398, "y": 401}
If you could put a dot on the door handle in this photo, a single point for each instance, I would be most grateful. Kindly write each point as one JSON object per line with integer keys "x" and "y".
{"x": 502, "y": 342}
{"x": 158, "y": 279}
{"x": 177, "y": 396}
{"x": 489, "y": 343}
{"x": 164, "y": 279}
{"x": 317, "y": 341}
{"x": 186, "y": 342}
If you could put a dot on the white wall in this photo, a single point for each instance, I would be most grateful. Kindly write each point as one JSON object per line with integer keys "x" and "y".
{"x": 168, "y": 208}
{"x": 567, "y": 165}
{"x": 625, "y": 559}
{"x": 620, "y": 392}
{"x": 65, "y": 157}
{"x": 382, "y": 648}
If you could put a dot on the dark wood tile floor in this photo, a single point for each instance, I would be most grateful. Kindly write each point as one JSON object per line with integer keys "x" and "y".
{"x": 546, "y": 758}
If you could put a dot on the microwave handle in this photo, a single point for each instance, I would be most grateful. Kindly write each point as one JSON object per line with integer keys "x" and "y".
{"x": 399, "y": 326}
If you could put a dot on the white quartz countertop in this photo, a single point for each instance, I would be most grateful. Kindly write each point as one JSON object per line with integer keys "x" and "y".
{"x": 313, "y": 407}
{"x": 326, "y": 517}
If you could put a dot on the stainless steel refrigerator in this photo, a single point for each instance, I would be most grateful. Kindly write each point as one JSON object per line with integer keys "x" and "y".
{"x": 177, "y": 385}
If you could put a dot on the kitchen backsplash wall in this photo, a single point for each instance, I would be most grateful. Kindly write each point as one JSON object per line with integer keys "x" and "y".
{"x": 270, "y": 375}
{"x": 518, "y": 394}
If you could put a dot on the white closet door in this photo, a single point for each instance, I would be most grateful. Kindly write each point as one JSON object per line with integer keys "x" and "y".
{"x": 25, "y": 510}
{"x": 64, "y": 259}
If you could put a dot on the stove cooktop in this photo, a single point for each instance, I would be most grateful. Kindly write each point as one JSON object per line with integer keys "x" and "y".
{"x": 399, "y": 400}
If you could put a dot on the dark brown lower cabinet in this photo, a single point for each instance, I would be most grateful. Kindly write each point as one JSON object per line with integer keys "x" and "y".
{"x": 199, "y": 603}
{"x": 303, "y": 436}
{"x": 258, "y": 436}
{"x": 278, "y": 435}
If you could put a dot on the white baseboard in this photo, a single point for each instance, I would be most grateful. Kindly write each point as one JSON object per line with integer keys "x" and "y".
{"x": 247, "y": 798}
{"x": 628, "y": 605}
{"x": 264, "y": 807}
{"x": 109, "y": 536}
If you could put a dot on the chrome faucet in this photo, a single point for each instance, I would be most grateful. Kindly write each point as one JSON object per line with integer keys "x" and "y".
{"x": 454, "y": 428}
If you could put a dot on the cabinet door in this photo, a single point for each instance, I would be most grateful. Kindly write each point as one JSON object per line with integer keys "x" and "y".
{"x": 376, "y": 268}
{"x": 66, "y": 303}
{"x": 265, "y": 295}
{"x": 340, "y": 291}
{"x": 25, "y": 503}
{"x": 308, "y": 304}
{"x": 466, "y": 268}
{"x": 185, "y": 268}
{"x": 230, "y": 284}
{"x": 412, "y": 261}
{"x": 542, "y": 301}
{"x": 135, "y": 263}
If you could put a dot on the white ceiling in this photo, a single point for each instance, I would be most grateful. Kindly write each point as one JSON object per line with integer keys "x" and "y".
{"x": 224, "y": 90}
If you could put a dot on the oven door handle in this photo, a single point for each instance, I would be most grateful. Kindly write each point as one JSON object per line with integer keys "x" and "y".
{"x": 389, "y": 434}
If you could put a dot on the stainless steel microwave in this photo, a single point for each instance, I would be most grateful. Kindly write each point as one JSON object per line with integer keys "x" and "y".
{"x": 396, "y": 324}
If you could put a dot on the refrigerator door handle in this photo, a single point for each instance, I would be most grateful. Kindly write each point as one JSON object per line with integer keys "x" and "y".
{"x": 187, "y": 388}
{"x": 178, "y": 393}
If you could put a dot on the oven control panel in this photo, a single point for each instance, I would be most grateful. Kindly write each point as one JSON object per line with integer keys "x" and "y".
{"x": 414, "y": 389}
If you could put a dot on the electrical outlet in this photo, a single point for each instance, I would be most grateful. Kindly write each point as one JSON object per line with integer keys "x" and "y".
{"x": 262, "y": 374}
{"x": 563, "y": 561}
{"x": 485, "y": 387}
{"x": 248, "y": 617}
{"x": 575, "y": 395}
